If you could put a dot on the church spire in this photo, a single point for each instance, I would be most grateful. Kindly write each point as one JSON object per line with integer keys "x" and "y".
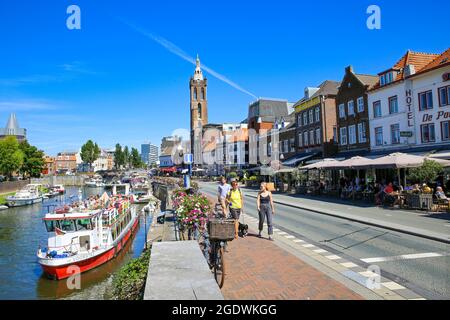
{"x": 198, "y": 75}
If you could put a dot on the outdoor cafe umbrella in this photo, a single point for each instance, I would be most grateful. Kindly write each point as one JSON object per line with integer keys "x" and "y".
{"x": 325, "y": 163}
{"x": 403, "y": 160}
{"x": 352, "y": 163}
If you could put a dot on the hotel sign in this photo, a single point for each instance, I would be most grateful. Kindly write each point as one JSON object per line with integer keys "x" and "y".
{"x": 409, "y": 108}
{"x": 307, "y": 104}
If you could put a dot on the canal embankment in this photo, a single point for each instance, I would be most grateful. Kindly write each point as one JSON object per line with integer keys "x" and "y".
{"x": 72, "y": 181}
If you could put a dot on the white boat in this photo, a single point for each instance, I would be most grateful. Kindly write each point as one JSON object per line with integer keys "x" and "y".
{"x": 142, "y": 198}
{"x": 83, "y": 238}
{"x": 31, "y": 194}
{"x": 95, "y": 182}
{"x": 59, "y": 188}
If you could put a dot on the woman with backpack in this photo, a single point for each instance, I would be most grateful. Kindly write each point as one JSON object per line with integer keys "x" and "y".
{"x": 264, "y": 204}
{"x": 236, "y": 201}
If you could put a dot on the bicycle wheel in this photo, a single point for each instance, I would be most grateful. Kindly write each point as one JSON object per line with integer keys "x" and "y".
{"x": 219, "y": 266}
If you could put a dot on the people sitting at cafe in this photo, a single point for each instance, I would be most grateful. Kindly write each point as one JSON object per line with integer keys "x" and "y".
{"x": 440, "y": 195}
{"x": 426, "y": 189}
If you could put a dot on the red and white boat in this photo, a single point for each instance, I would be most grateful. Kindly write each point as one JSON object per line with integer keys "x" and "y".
{"x": 86, "y": 235}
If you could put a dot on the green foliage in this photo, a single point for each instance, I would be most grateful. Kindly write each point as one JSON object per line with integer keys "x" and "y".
{"x": 11, "y": 156}
{"x": 427, "y": 173}
{"x": 129, "y": 281}
{"x": 90, "y": 152}
{"x": 126, "y": 156}
{"x": 299, "y": 175}
{"x": 119, "y": 158}
{"x": 233, "y": 175}
{"x": 33, "y": 160}
{"x": 135, "y": 159}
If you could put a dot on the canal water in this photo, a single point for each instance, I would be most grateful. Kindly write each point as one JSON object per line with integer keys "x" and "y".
{"x": 21, "y": 233}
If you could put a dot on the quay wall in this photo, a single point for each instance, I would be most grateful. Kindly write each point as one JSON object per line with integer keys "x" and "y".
{"x": 163, "y": 193}
{"x": 73, "y": 181}
{"x": 12, "y": 186}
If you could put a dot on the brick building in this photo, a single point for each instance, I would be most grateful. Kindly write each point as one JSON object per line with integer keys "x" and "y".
{"x": 352, "y": 113}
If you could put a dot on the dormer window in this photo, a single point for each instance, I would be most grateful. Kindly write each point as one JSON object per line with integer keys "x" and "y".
{"x": 386, "y": 78}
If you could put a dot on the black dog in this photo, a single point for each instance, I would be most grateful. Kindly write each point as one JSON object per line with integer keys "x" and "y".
{"x": 243, "y": 229}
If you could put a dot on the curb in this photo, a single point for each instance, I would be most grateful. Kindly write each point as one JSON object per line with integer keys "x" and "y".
{"x": 375, "y": 223}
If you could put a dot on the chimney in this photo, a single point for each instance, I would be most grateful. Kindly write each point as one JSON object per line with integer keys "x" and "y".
{"x": 409, "y": 70}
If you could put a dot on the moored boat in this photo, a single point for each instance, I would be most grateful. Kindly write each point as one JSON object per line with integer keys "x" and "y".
{"x": 86, "y": 235}
{"x": 31, "y": 194}
{"x": 95, "y": 182}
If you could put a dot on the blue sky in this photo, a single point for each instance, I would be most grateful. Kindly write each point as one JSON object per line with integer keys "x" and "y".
{"x": 111, "y": 83}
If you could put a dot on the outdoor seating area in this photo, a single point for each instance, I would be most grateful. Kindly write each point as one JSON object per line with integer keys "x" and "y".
{"x": 397, "y": 180}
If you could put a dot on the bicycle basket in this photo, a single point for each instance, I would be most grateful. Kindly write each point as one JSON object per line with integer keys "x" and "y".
{"x": 222, "y": 230}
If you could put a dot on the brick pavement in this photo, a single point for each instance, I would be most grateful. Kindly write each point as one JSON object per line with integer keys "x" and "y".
{"x": 258, "y": 269}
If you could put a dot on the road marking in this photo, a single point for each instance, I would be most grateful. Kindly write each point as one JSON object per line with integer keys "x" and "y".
{"x": 320, "y": 251}
{"x": 333, "y": 257}
{"x": 282, "y": 233}
{"x": 368, "y": 274}
{"x": 393, "y": 285}
{"x": 298, "y": 241}
{"x": 348, "y": 265}
{"x": 418, "y": 299}
{"x": 403, "y": 257}
{"x": 276, "y": 230}
{"x": 308, "y": 245}
{"x": 290, "y": 237}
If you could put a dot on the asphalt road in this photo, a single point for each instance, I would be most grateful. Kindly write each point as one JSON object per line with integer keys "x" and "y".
{"x": 419, "y": 264}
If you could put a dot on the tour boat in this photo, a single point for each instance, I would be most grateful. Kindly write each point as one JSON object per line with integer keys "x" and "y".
{"x": 31, "y": 194}
{"x": 83, "y": 237}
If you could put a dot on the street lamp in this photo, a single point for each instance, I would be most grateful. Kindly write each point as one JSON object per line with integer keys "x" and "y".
{"x": 186, "y": 175}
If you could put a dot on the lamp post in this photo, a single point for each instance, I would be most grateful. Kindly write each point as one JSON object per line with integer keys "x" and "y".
{"x": 186, "y": 175}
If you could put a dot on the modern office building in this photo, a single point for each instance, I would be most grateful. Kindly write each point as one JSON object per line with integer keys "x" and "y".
{"x": 149, "y": 153}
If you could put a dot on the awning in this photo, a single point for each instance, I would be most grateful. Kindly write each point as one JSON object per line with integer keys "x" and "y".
{"x": 445, "y": 155}
{"x": 294, "y": 161}
{"x": 169, "y": 170}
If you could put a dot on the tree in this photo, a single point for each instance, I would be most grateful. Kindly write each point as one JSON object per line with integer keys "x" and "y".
{"x": 126, "y": 156}
{"x": 11, "y": 157}
{"x": 136, "y": 161}
{"x": 90, "y": 152}
{"x": 119, "y": 159}
{"x": 428, "y": 172}
{"x": 33, "y": 160}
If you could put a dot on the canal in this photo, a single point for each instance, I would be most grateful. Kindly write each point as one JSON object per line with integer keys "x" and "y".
{"x": 21, "y": 233}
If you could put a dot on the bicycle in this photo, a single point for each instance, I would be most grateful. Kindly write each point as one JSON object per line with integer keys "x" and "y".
{"x": 220, "y": 231}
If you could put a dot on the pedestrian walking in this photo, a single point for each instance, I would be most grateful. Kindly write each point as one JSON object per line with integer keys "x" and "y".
{"x": 222, "y": 193}
{"x": 236, "y": 201}
{"x": 266, "y": 210}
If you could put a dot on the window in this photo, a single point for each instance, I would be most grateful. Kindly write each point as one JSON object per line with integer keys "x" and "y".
{"x": 199, "y": 110}
{"x": 305, "y": 138}
{"x": 360, "y": 103}
{"x": 362, "y": 132}
{"x": 445, "y": 130}
{"x": 444, "y": 96}
{"x": 352, "y": 134}
{"x": 379, "y": 136}
{"x": 395, "y": 133}
{"x": 203, "y": 93}
{"x": 377, "y": 109}
{"x": 299, "y": 120}
{"x": 300, "y": 140}
{"x": 311, "y": 116}
{"x": 426, "y": 100}
{"x": 195, "y": 93}
{"x": 343, "y": 135}
{"x": 335, "y": 134}
{"x": 311, "y": 137}
{"x": 317, "y": 114}
{"x": 292, "y": 145}
{"x": 67, "y": 225}
{"x": 428, "y": 134}
{"x": 318, "y": 141}
{"x": 305, "y": 118}
{"x": 386, "y": 78}
{"x": 342, "y": 111}
{"x": 393, "y": 105}
{"x": 351, "y": 108}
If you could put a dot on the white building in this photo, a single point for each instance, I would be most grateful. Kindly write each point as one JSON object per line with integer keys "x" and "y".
{"x": 409, "y": 106}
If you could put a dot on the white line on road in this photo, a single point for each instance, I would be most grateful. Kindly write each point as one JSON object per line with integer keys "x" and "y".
{"x": 403, "y": 257}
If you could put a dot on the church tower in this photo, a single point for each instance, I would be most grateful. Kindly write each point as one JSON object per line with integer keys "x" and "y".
{"x": 199, "y": 103}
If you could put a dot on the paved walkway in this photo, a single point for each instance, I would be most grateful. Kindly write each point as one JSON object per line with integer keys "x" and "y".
{"x": 258, "y": 269}
{"x": 434, "y": 226}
